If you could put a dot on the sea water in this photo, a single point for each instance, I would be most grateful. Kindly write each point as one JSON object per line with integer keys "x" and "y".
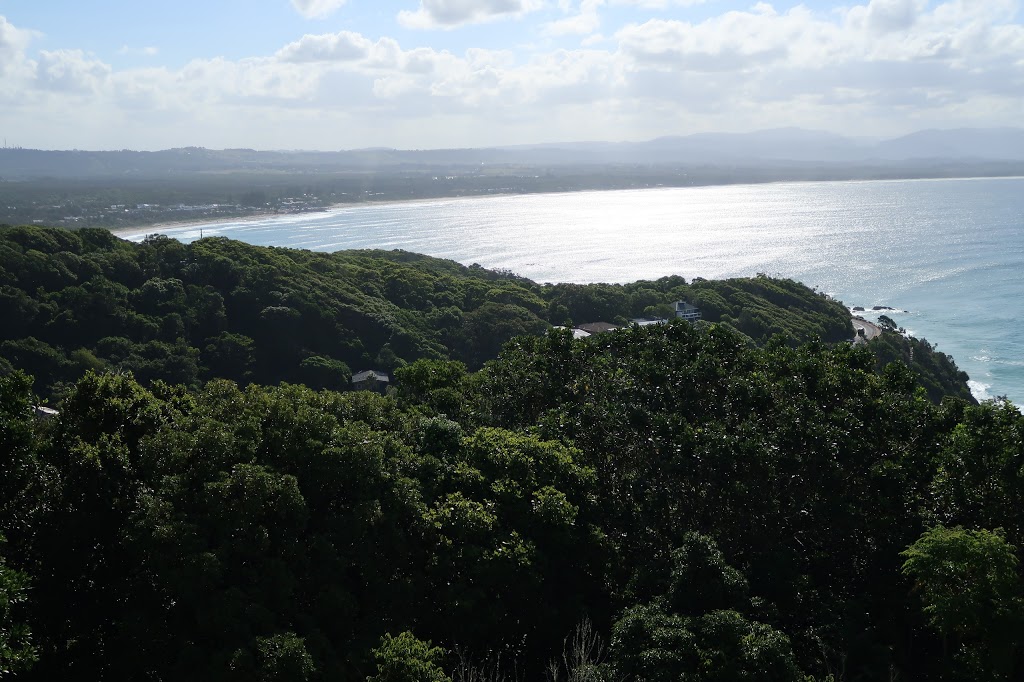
{"x": 950, "y": 253}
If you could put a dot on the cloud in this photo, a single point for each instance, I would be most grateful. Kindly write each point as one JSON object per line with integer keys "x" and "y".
{"x": 266, "y": 81}
{"x": 449, "y": 14}
{"x": 657, "y": 4}
{"x": 579, "y": 24}
{"x": 149, "y": 51}
{"x": 585, "y": 22}
{"x": 734, "y": 41}
{"x": 886, "y": 16}
{"x": 70, "y": 71}
{"x": 343, "y": 46}
{"x": 13, "y": 42}
{"x": 876, "y": 66}
{"x": 317, "y": 9}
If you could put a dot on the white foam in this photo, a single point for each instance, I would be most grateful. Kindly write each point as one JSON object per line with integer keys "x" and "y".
{"x": 979, "y": 390}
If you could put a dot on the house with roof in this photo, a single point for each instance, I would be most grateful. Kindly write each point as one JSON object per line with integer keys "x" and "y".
{"x": 647, "y": 321}
{"x": 44, "y": 413}
{"x": 687, "y": 311}
{"x": 576, "y": 333}
{"x": 597, "y": 327}
{"x": 371, "y": 380}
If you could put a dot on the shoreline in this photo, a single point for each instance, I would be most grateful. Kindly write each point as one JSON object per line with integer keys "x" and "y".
{"x": 174, "y": 224}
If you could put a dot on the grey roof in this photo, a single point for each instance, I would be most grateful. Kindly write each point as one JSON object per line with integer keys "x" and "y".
{"x": 576, "y": 333}
{"x": 597, "y": 327}
{"x": 370, "y": 374}
{"x": 45, "y": 412}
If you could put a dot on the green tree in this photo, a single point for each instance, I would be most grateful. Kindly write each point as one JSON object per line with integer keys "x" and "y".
{"x": 651, "y": 645}
{"x": 229, "y": 356}
{"x": 971, "y": 595}
{"x": 283, "y": 658}
{"x": 319, "y": 372}
{"x": 17, "y": 651}
{"x": 407, "y": 659}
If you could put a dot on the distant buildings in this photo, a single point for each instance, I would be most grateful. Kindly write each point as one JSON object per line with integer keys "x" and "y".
{"x": 682, "y": 309}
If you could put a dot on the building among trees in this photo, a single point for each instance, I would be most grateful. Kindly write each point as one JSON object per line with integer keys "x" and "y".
{"x": 687, "y": 311}
{"x": 371, "y": 380}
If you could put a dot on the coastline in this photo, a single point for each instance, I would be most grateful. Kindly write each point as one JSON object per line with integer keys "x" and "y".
{"x": 252, "y": 217}
{"x": 154, "y": 228}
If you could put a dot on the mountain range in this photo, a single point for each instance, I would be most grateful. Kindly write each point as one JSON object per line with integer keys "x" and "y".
{"x": 781, "y": 146}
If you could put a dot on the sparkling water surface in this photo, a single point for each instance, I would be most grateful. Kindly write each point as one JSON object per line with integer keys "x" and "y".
{"x": 950, "y": 252}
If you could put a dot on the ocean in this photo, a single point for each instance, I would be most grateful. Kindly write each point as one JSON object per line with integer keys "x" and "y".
{"x": 948, "y": 254}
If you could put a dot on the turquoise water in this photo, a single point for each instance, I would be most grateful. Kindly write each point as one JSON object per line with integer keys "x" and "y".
{"x": 949, "y": 252}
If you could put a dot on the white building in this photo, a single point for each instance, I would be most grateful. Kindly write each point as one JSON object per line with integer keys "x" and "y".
{"x": 687, "y": 311}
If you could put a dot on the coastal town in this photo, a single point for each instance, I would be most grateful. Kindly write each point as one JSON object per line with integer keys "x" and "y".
{"x": 75, "y": 214}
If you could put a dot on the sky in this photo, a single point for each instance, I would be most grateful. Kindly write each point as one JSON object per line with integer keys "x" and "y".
{"x": 420, "y": 74}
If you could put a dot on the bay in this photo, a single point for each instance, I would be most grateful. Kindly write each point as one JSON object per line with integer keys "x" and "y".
{"x": 948, "y": 252}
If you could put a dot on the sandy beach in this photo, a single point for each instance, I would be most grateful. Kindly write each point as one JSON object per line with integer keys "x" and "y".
{"x": 155, "y": 228}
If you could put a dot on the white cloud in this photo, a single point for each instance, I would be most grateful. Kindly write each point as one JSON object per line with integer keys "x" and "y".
{"x": 448, "y": 14}
{"x": 657, "y": 4}
{"x": 13, "y": 42}
{"x": 148, "y": 51}
{"x": 886, "y": 16}
{"x": 317, "y": 9}
{"x": 70, "y": 71}
{"x": 343, "y": 46}
{"x": 875, "y": 66}
{"x": 270, "y": 82}
{"x": 734, "y": 41}
{"x": 584, "y": 22}
{"x": 579, "y": 24}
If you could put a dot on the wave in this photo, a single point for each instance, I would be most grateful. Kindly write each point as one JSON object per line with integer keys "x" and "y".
{"x": 979, "y": 390}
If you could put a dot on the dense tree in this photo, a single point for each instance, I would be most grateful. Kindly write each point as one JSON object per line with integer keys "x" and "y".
{"x": 218, "y": 308}
{"x": 726, "y": 500}
{"x": 407, "y": 659}
{"x": 971, "y": 594}
{"x": 17, "y": 652}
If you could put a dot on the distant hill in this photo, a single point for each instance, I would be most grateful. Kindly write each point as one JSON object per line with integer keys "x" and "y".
{"x": 766, "y": 147}
{"x": 796, "y": 144}
{"x": 965, "y": 143}
{"x": 216, "y": 308}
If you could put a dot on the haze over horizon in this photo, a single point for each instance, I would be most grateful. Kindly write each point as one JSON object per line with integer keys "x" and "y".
{"x": 435, "y": 74}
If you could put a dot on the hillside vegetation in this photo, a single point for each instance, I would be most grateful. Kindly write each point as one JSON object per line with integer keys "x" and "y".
{"x": 679, "y": 503}
{"x": 732, "y": 500}
{"x": 217, "y": 308}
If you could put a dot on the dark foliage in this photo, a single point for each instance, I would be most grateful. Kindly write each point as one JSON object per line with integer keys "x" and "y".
{"x": 216, "y": 308}
{"x": 711, "y": 508}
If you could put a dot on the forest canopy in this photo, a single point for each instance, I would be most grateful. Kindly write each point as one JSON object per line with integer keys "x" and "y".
{"x": 751, "y": 497}
{"x": 75, "y": 301}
